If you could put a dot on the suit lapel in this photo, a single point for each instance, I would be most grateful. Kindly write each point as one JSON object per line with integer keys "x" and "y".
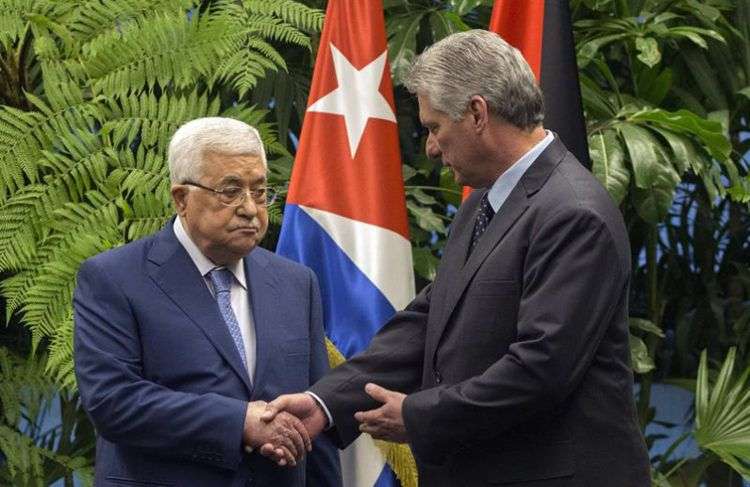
{"x": 461, "y": 271}
{"x": 175, "y": 273}
{"x": 264, "y": 296}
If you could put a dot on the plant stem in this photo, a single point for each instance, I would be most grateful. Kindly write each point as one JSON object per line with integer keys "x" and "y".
{"x": 652, "y": 341}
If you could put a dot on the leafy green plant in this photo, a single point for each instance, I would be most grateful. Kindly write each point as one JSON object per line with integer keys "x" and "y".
{"x": 722, "y": 419}
{"x": 99, "y": 87}
{"x": 33, "y": 455}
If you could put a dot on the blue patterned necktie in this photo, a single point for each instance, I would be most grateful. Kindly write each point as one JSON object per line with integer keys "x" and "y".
{"x": 222, "y": 281}
{"x": 482, "y": 221}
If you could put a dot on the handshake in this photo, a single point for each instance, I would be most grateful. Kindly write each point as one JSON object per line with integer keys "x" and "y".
{"x": 283, "y": 429}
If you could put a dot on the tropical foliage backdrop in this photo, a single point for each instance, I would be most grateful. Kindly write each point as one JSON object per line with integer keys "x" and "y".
{"x": 90, "y": 92}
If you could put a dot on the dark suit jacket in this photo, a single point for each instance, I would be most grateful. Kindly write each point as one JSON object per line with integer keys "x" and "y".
{"x": 516, "y": 361}
{"x": 162, "y": 380}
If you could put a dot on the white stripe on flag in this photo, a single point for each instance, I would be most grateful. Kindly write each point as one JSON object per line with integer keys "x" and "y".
{"x": 382, "y": 255}
{"x": 361, "y": 462}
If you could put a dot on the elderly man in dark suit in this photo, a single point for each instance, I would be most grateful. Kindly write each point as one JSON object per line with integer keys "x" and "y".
{"x": 512, "y": 367}
{"x": 182, "y": 337}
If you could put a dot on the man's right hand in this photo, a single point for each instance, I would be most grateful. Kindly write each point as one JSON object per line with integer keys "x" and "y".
{"x": 283, "y": 437}
{"x": 301, "y": 405}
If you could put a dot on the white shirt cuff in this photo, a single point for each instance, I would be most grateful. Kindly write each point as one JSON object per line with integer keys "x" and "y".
{"x": 323, "y": 407}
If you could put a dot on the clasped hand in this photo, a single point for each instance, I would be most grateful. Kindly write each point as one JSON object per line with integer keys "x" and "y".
{"x": 284, "y": 437}
{"x": 385, "y": 423}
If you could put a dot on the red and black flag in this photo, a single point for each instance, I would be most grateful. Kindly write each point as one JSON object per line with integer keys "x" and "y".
{"x": 542, "y": 31}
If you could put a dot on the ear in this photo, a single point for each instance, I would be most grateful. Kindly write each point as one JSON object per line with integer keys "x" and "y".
{"x": 180, "y": 198}
{"x": 479, "y": 112}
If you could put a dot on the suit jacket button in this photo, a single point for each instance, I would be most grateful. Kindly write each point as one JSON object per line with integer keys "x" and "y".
{"x": 438, "y": 377}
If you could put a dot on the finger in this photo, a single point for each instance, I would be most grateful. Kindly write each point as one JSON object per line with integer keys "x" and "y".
{"x": 267, "y": 450}
{"x": 371, "y": 416}
{"x": 286, "y": 441}
{"x": 273, "y": 408}
{"x": 287, "y": 457}
{"x": 373, "y": 431}
{"x": 380, "y": 394}
{"x": 277, "y": 455}
{"x": 302, "y": 431}
{"x": 295, "y": 438}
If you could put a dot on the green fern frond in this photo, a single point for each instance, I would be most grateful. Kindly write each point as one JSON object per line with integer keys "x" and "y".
{"x": 152, "y": 120}
{"x": 295, "y": 13}
{"x": 17, "y": 155}
{"x": 17, "y": 235}
{"x": 24, "y": 135}
{"x": 22, "y": 384}
{"x": 25, "y": 464}
{"x": 93, "y": 18}
{"x": 60, "y": 362}
{"x": 144, "y": 172}
{"x": 276, "y": 29}
{"x": 18, "y": 15}
{"x": 167, "y": 49}
{"x": 146, "y": 214}
{"x": 92, "y": 228}
{"x": 243, "y": 70}
{"x": 25, "y": 461}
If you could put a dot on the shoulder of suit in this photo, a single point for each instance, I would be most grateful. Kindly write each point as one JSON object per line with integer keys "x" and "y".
{"x": 279, "y": 262}
{"x": 129, "y": 252}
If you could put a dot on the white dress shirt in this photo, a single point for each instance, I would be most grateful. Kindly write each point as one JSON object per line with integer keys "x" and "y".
{"x": 508, "y": 180}
{"x": 240, "y": 298}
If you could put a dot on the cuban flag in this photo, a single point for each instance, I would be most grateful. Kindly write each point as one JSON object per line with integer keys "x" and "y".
{"x": 345, "y": 214}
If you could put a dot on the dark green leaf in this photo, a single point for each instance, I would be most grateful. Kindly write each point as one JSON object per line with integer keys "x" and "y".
{"x": 426, "y": 218}
{"x": 687, "y": 123}
{"x": 425, "y": 264}
{"x": 608, "y": 164}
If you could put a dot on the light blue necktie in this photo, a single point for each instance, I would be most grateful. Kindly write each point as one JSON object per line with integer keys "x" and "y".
{"x": 222, "y": 280}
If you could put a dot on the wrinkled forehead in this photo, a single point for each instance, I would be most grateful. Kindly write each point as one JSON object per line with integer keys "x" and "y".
{"x": 242, "y": 169}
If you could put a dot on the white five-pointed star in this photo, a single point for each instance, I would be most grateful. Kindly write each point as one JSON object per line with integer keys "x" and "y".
{"x": 357, "y": 97}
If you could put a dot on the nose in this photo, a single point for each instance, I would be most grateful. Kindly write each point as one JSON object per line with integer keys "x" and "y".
{"x": 248, "y": 207}
{"x": 431, "y": 148}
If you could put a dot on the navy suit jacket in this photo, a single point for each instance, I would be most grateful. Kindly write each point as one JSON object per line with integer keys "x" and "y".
{"x": 161, "y": 378}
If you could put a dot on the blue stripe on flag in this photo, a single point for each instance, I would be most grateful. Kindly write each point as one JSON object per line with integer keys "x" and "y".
{"x": 387, "y": 478}
{"x": 354, "y": 308}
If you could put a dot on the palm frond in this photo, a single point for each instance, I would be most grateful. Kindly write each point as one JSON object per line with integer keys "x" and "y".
{"x": 722, "y": 422}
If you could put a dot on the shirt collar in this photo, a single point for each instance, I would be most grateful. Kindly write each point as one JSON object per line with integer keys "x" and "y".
{"x": 503, "y": 185}
{"x": 202, "y": 262}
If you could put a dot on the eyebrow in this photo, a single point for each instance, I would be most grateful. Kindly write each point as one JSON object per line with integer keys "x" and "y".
{"x": 236, "y": 179}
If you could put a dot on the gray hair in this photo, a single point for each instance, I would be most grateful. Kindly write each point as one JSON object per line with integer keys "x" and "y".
{"x": 210, "y": 134}
{"x": 477, "y": 62}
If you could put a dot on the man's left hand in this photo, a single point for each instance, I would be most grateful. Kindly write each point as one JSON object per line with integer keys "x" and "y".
{"x": 385, "y": 422}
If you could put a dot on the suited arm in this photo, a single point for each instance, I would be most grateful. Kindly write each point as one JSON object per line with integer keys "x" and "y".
{"x": 128, "y": 409}
{"x": 323, "y": 466}
{"x": 573, "y": 281}
{"x": 393, "y": 360}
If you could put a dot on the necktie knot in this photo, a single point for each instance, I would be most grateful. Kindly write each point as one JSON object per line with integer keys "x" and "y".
{"x": 221, "y": 278}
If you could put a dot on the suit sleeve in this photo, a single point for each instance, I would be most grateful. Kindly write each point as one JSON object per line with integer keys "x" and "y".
{"x": 574, "y": 278}
{"x": 392, "y": 360}
{"x": 323, "y": 466}
{"x": 126, "y": 408}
